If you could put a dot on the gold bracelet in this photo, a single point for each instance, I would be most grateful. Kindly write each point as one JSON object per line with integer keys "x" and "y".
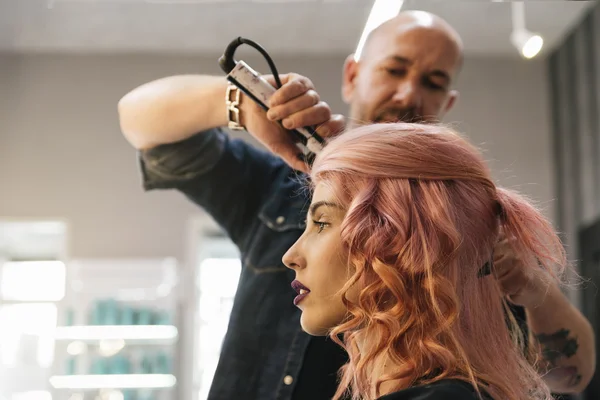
{"x": 232, "y": 101}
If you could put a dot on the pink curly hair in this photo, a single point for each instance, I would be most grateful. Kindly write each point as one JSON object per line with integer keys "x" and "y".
{"x": 423, "y": 216}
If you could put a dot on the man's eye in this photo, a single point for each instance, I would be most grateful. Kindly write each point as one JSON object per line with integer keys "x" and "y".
{"x": 434, "y": 85}
{"x": 396, "y": 71}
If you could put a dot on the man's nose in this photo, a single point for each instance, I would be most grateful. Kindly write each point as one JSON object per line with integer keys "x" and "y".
{"x": 408, "y": 94}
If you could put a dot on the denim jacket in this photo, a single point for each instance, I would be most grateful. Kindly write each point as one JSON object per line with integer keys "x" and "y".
{"x": 260, "y": 203}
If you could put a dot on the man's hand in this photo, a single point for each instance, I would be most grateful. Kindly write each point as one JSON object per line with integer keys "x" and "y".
{"x": 563, "y": 336}
{"x": 515, "y": 275}
{"x": 296, "y": 104}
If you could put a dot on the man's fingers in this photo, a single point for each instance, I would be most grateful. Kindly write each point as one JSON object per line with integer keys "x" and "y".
{"x": 292, "y": 155}
{"x": 503, "y": 273}
{"x": 312, "y": 116}
{"x": 500, "y": 253}
{"x": 503, "y": 266}
{"x": 292, "y": 87}
{"x": 285, "y": 78}
{"x": 305, "y": 101}
{"x": 502, "y": 243}
{"x": 333, "y": 127}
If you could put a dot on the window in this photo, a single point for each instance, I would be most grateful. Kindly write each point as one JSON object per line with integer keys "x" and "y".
{"x": 218, "y": 275}
{"x": 32, "y": 283}
{"x": 16, "y": 283}
{"x": 26, "y": 334}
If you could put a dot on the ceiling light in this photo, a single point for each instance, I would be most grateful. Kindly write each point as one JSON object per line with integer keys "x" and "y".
{"x": 528, "y": 44}
{"x": 382, "y": 11}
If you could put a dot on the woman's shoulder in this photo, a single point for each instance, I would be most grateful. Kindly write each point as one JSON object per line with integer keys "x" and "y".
{"x": 445, "y": 389}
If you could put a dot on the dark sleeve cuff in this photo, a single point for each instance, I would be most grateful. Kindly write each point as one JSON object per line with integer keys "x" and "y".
{"x": 171, "y": 165}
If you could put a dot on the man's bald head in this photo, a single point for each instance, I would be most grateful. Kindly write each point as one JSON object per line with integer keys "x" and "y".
{"x": 405, "y": 71}
{"x": 414, "y": 19}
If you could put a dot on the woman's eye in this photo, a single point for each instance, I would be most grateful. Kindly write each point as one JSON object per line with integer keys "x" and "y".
{"x": 320, "y": 225}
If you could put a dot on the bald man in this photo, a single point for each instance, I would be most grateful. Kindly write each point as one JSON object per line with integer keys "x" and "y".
{"x": 405, "y": 73}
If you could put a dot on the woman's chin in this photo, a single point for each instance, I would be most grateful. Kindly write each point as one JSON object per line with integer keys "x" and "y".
{"x": 314, "y": 328}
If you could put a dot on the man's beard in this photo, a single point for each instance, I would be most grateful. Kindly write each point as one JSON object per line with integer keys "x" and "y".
{"x": 409, "y": 115}
{"x": 359, "y": 115}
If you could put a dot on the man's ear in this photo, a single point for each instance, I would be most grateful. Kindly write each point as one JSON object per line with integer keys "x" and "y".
{"x": 349, "y": 78}
{"x": 452, "y": 99}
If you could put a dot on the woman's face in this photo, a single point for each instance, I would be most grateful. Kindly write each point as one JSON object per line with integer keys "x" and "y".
{"x": 321, "y": 265}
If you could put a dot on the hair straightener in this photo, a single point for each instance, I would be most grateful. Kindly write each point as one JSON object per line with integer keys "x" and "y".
{"x": 258, "y": 89}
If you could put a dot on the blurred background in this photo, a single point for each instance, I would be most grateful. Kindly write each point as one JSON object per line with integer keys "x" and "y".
{"x": 107, "y": 292}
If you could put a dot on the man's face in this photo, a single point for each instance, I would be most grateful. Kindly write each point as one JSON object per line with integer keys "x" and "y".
{"x": 404, "y": 75}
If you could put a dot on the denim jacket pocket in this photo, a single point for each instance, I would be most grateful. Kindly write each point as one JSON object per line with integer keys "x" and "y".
{"x": 282, "y": 221}
{"x": 282, "y": 215}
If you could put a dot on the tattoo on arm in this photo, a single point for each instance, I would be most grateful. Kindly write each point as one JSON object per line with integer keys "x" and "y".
{"x": 557, "y": 346}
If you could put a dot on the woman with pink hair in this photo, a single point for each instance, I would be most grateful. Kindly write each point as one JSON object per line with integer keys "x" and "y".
{"x": 401, "y": 226}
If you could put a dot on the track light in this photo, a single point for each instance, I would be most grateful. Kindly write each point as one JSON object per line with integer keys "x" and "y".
{"x": 527, "y": 43}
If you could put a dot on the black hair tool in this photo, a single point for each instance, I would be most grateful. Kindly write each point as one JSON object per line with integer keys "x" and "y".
{"x": 258, "y": 89}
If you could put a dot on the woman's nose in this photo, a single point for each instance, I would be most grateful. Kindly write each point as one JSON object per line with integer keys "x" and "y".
{"x": 292, "y": 258}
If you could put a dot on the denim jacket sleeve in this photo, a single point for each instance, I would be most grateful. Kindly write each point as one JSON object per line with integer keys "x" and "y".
{"x": 228, "y": 178}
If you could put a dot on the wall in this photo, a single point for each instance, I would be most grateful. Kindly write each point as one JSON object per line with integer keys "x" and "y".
{"x": 62, "y": 155}
{"x": 574, "y": 79}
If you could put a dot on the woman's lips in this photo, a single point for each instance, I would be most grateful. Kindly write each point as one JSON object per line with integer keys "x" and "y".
{"x": 302, "y": 291}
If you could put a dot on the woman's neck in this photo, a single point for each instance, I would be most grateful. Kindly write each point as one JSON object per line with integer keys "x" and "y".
{"x": 382, "y": 365}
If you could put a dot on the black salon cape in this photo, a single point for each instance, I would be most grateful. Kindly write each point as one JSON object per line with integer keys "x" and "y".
{"x": 445, "y": 389}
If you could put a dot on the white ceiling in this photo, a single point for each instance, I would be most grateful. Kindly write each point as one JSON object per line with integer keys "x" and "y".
{"x": 281, "y": 26}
